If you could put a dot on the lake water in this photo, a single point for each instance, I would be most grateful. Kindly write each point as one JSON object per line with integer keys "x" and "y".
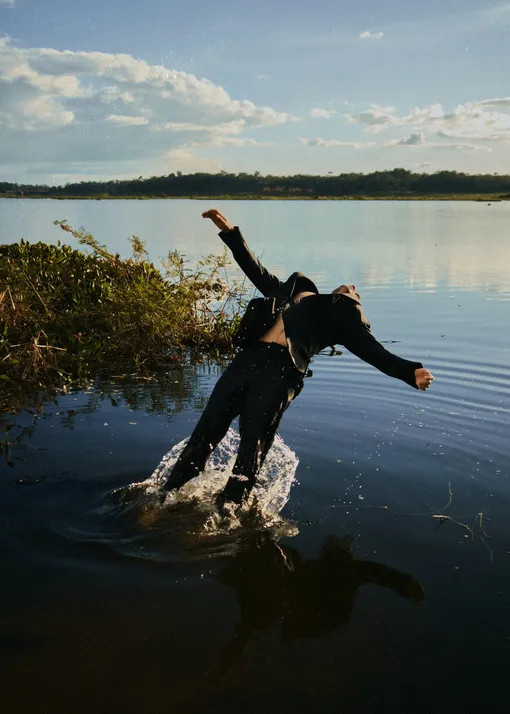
{"x": 358, "y": 598}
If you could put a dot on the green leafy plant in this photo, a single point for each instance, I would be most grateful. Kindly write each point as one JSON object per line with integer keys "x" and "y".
{"x": 67, "y": 313}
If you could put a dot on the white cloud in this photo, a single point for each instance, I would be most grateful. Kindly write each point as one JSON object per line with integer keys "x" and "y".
{"x": 371, "y": 35}
{"x": 502, "y": 102}
{"x": 89, "y": 93}
{"x": 336, "y": 143}
{"x": 318, "y": 113}
{"x": 7, "y": 3}
{"x": 181, "y": 126}
{"x": 378, "y": 118}
{"x": 374, "y": 119}
{"x": 114, "y": 94}
{"x": 459, "y": 146}
{"x": 472, "y": 120}
{"x": 31, "y": 110}
{"x": 137, "y": 75}
{"x": 65, "y": 85}
{"x": 412, "y": 140}
{"x": 129, "y": 78}
{"x": 231, "y": 127}
{"x": 127, "y": 120}
{"x": 419, "y": 140}
{"x": 233, "y": 141}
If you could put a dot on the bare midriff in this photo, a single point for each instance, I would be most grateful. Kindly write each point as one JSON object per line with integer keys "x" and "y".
{"x": 277, "y": 332}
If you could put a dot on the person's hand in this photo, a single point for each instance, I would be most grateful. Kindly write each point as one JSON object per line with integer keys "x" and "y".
{"x": 423, "y": 378}
{"x": 218, "y": 219}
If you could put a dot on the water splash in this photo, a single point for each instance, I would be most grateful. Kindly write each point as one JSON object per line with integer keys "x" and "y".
{"x": 193, "y": 505}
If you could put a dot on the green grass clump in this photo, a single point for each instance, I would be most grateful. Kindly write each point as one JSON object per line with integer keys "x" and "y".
{"x": 65, "y": 313}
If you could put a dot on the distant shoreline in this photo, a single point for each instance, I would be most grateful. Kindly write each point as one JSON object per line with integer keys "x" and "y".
{"x": 482, "y": 197}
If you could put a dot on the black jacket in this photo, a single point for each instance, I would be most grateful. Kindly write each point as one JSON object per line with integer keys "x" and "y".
{"x": 318, "y": 321}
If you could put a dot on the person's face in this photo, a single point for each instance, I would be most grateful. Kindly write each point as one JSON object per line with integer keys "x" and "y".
{"x": 349, "y": 290}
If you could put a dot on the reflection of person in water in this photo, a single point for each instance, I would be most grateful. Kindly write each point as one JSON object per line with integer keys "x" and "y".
{"x": 307, "y": 597}
{"x": 279, "y": 335}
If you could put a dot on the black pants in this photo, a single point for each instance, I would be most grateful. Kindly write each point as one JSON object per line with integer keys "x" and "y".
{"x": 258, "y": 385}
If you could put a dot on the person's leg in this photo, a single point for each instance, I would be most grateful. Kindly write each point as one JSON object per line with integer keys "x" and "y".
{"x": 223, "y": 406}
{"x": 269, "y": 394}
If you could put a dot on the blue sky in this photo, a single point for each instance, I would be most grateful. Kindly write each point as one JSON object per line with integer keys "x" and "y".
{"x": 120, "y": 89}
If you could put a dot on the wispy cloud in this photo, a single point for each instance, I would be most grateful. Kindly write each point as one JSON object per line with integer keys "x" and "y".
{"x": 501, "y": 102}
{"x": 7, "y": 3}
{"x": 127, "y": 120}
{"x": 412, "y": 140}
{"x": 232, "y": 127}
{"x": 367, "y": 35}
{"x": 378, "y": 118}
{"x": 223, "y": 141}
{"x": 420, "y": 140}
{"x": 488, "y": 119}
{"x": 336, "y": 143}
{"x": 115, "y": 94}
{"x": 319, "y": 113}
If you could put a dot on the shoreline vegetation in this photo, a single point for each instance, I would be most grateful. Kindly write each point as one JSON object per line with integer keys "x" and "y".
{"x": 67, "y": 315}
{"x": 440, "y": 197}
{"x": 395, "y": 185}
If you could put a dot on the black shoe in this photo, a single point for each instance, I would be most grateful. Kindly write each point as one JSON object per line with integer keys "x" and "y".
{"x": 235, "y": 491}
{"x": 174, "y": 482}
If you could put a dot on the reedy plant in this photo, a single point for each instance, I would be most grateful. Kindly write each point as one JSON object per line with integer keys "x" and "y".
{"x": 66, "y": 313}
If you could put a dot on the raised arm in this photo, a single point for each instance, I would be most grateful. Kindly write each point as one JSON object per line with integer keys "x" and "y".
{"x": 264, "y": 281}
{"x": 363, "y": 344}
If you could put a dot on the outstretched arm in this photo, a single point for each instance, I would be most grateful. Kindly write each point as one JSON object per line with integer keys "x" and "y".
{"x": 264, "y": 281}
{"x": 363, "y": 344}
{"x": 401, "y": 583}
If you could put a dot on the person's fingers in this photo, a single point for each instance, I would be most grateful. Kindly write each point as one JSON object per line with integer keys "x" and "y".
{"x": 423, "y": 379}
{"x": 216, "y": 217}
{"x": 211, "y": 212}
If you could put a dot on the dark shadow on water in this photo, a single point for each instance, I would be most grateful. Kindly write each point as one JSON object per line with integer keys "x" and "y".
{"x": 304, "y": 598}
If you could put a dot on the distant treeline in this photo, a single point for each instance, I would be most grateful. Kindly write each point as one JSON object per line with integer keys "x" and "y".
{"x": 398, "y": 182}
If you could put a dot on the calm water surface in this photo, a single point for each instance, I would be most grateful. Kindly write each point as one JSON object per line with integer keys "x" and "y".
{"x": 362, "y": 599}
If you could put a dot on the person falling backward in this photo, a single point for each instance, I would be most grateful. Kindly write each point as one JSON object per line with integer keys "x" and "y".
{"x": 277, "y": 337}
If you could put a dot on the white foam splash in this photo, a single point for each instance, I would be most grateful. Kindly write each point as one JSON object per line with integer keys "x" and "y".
{"x": 269, "y": 495}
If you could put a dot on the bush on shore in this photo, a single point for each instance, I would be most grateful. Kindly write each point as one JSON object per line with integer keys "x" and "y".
{"x": 65, "y": 313}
